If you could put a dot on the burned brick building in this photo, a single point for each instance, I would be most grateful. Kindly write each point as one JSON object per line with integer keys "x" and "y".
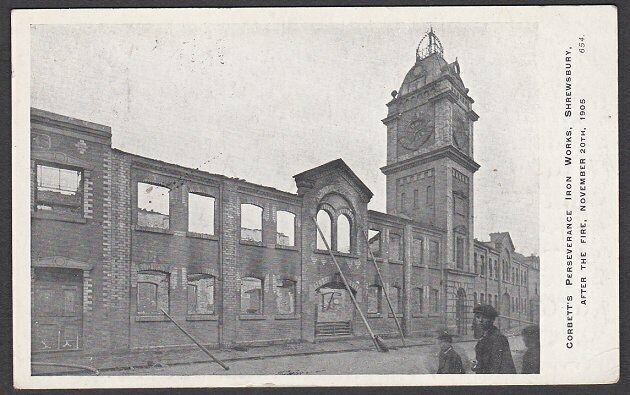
{"x": 117, "y": 238}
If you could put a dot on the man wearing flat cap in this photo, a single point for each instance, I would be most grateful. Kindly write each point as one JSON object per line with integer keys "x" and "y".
{"x": 449, "y": 360}
{"x": 493, "y": 350}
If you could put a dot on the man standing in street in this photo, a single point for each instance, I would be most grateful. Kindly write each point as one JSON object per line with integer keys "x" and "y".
{"x": 531, "y": 358}
{"x": 449, "y": 360}
{"x": 492, "y": 350}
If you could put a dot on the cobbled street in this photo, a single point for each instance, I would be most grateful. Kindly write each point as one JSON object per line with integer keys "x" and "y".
{"x": 410, "y": 360}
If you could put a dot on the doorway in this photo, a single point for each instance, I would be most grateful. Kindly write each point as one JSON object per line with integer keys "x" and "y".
{"x": 57, "y": 310}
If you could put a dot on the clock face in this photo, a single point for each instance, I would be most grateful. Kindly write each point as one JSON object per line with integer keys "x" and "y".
{"x": 460, "y": 132}
{"x": 415, "y": 131}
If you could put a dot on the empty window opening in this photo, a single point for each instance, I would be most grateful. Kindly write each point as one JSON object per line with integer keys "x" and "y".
{"x": 435, "y": 300}
{"x": 419, "y": 301}
{"x": 251, "y": 223}
{"x": 285, "y": 228}
{"x": 200, "y": 214}
{"x": 416, "y": 251}
{"x": 374, "y": 299}
{"x": 434, "y": 252}
{"x": 251, "y": 295}
{"x": 152, "y": 292}
{"x": 395, "y": 247}
{"x": 374, "y": 237}
{"x": 285, "y": 297}
{"x": 153, "y": 206}
{"x": 59, "y": 190}
{"x": 325, "y": 225}
{"x": 343, "y": 233}
{"x": 200, "y": 294}
{"x": 395, "y": 298}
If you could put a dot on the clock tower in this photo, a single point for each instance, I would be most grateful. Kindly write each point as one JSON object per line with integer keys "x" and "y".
{"x": 430, "y": 162}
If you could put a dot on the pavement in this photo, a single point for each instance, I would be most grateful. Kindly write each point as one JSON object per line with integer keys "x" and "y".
{"x": 167, "y": 360}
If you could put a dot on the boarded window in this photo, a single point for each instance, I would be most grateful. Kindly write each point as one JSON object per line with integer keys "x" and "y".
{"x": 153, "y": 206}
{"x": 434, "y": 253}
{"x": 418, "y": 305}
{"x": 285, "y": 228}
{"x": 59, "y": 190}
{"x": 395, "y": 247}
{"x": 434, "y": 300}
{"x": 200, "y": 214}
{"x": 251, "y": 295}
{"x": 200, "y": 294}
{"x": 416, "y": 251}
{"x": 251, "y": 223}
{"x": 325, "y": 225}
{"x": 153, "y": 287}
{"x": 343, "y": 233}
{"x": 374, "y": 299}
{"x": 285, "y": 297}
{"x": 374, "y": 237}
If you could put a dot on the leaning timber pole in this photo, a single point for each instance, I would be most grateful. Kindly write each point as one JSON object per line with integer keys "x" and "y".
{"x": 205, "y": 350}
{"x": 345, "y": 283}
{"x": 389, "y": 303}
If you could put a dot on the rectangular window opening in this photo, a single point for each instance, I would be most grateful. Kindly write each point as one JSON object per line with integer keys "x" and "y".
{"x": 201, "y": 214}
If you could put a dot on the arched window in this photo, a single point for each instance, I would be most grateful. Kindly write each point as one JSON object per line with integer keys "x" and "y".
{"x": 343, "y": 233}
{"x": 152, "y": 295}
{"x": 325, "y": 224}
{"x": 403, "y": 202}
{"x": 285, "y": 228}
{"x": 251, "y": 223}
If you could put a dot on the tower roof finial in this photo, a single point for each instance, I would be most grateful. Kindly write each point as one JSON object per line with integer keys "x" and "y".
{"x": 429, "y": 44}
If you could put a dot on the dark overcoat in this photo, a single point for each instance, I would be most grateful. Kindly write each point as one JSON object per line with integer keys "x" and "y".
{"x": 531, "y": 360}
{"x": 450, "y": 362}
{"x": 493, "y": 354}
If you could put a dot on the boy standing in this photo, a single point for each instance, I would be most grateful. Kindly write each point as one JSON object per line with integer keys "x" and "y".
{"x": 449, "y": 360}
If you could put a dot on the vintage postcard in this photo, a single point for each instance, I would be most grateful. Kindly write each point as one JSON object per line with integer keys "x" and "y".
{"x": 308, "y": 197}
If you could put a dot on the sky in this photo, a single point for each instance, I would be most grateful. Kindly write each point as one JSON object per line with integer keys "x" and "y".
{"x": 266, "y": 101}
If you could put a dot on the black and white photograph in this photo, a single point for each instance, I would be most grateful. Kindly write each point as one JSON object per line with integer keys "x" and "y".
{"x": 248, "y": 194}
